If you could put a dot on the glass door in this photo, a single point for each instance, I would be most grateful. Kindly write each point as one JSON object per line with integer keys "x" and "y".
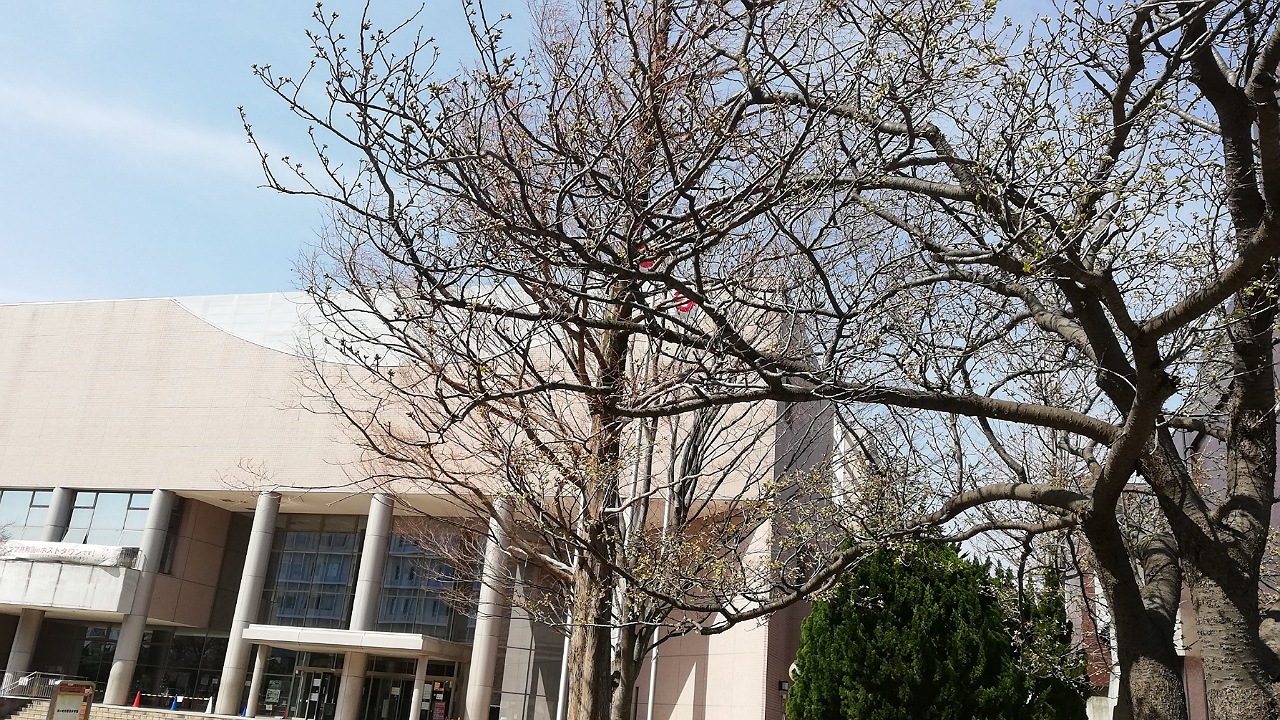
{"x": 314, "y": 695}
{"x": 437, "y": 701}
{"x": 386, "y": 698}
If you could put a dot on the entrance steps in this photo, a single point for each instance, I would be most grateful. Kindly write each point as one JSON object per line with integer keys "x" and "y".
{"x": 38, "y": 709}
{"x": 24, "y": 709}
{"x": 117, "y": 712}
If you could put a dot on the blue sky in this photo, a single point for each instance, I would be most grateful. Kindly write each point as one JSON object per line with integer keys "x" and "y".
{"x": 124, "y": 168}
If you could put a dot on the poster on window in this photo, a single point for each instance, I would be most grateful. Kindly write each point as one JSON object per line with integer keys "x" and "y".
{"x": 439, "y": 702}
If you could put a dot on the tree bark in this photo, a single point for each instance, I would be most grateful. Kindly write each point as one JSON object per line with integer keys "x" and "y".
{"x": 590, "y": 661}
{"x": 590, "y": 644}
{"x": 626, "y": 670}
{"x": 1240, "y": 670}
{"x": 1150, "y": 669}
{"x": 1234, "y": 658}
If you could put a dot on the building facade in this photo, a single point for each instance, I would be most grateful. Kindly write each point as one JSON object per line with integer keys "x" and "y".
{"x": 185, "y": 529}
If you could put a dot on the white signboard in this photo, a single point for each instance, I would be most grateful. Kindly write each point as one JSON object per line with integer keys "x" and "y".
{"x": 101, "y": 555}
{"x": 71, "y": 700}
{"x": 66, "y": 706}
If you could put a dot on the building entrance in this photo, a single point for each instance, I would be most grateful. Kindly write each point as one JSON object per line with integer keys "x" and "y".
{"x": 387, "y": 698}
{"x": 388, "y": 689}
{"x": 314, "y": 695}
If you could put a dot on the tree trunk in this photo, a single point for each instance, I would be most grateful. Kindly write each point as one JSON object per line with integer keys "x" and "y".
{"x": 626, "y": 671}
{"x": 590, "y": 645}
{"x": 1239, "y": 669}
{"x": 1150, "y": 669}
{"x": 590, "y": 661}
{"x": 1235, "y": 663}
{"x": 1154, "y": 690}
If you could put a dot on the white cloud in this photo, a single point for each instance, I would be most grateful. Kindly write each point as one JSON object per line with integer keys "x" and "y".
{"x": 137, "y": 135}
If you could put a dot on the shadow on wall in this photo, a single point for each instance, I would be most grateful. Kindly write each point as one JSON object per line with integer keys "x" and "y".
{"x": 681, "y": 691}
{"x": 531, "y": 669}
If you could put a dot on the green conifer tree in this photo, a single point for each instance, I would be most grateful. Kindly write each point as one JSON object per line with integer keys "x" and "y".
{"x": 920, "y": 634}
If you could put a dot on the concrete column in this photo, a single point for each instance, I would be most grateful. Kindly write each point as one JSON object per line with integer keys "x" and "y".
{"x": 59, "y": 517}
{"x": 24, "y": 644}
{"x": 364, "y": 605}
{"x": 255, "y": 685}
{"x": 130, "y": 640}
{"x": 484, "y": 650}
{"x": 352, "y": 686}
{"x": 373, "y": 560}
{"x": 29, "y": 622}
{"x": 231, "y": 684}
{"x": 419, "y": 686}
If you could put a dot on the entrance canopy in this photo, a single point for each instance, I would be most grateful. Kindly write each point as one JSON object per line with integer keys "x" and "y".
{"x": 407, "y": 645}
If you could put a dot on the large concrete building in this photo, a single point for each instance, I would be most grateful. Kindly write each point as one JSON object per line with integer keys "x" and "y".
{"x": 182, "y": 530}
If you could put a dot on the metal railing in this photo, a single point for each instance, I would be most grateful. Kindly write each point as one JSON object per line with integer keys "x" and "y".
{"x": 32, "y": 684}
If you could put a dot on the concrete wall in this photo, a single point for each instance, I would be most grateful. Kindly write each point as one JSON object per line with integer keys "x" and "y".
{"x": 140, "y": 394}
{"x": 74, "y": 587}
{"x": 530, "y": 669}
{"x": 715, "y": 677}
{"x": 239, "y": 526}
{"x": 186, "y": 596}
{"x": 784, "y": 643}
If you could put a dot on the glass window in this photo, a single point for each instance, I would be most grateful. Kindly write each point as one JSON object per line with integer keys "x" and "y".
{"x": 302, "y": 523}
{"x": 106, "y": 518}
{"x": 173, "y": 663}
{"x": 102, "y": 536}
{"x": 36, "y": 518}
{"x": 326, "y": 604}
{"x": 289, "y": 604}
{"x": 412, "y": 600}
{"x": 172, "y": 531}
{"x": 22, "y": 513}
{"x": 301, "y": 540}
{"x": 80, "y": 517}
{"x": 440, "y": 668}
{"x": 311, "y": 577}
{"x": 348, "y": 524}
{"x": 135, "y": 519}
{"x": 110, "y": 511}
{"x": 334, "y": 568}
{"x": 14, "y": 505}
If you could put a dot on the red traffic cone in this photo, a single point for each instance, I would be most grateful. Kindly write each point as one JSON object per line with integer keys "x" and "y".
{"x": 137, "y": 699}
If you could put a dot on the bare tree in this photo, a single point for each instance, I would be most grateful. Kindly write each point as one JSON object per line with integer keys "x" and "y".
{"x": 700, "y": 499}
{"x": 1064, "y": 234}
{"x": 509, "y": 270}
{"x": 1023, "y": 262}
